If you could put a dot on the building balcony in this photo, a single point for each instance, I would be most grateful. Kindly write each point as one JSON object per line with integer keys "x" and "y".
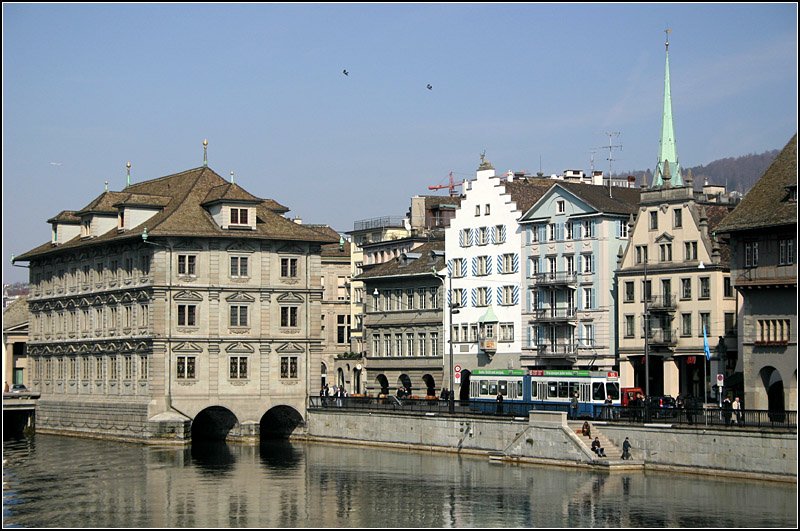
{"x": 550, "y": 315}
{"x": 663, "y": 338}
{"x": 662, "y": 303}
{"x": 558, "y": 278}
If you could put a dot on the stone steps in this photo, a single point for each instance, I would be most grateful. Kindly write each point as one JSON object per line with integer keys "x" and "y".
{"x": 611, "y": 450}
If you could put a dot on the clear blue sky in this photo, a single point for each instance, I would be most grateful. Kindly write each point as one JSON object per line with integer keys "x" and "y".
{"x": 87, "y": 88}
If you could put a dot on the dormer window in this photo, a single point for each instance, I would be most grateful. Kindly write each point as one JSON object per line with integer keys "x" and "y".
{"x": 86, "y": 228}
{"x": 239, "y": 216}
{"x": 121, "y": 222}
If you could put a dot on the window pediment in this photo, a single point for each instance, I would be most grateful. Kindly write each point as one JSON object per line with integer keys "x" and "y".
{"x": 186, "y": 347}
{"x": 290, "y": 297}
{"x": 240, "y": 347}
{"x": 290, "y": 348}
{"x": 665, "y": 237}
{"x": 240, "y": 297}
{"x": 191, "y": 296}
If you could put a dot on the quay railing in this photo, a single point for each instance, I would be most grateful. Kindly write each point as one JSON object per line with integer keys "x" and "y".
{"x": 707, "y": 416}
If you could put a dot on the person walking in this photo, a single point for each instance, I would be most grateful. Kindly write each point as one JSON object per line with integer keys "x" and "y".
{"x": 626, "y": 449}
{"x": 499, "y": 403}
{"x": 573, "y": 406}
{"x": 727, "y": 410}
{"x": 737, "y": 409}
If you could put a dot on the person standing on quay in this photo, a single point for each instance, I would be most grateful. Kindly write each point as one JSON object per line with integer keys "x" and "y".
{"x": 626, "y": 449}
{"x": 499, "y": 403}
{"x": 727, "y": 410}
{"x": 737, "y": 409}
{"x": 573, "y": 406}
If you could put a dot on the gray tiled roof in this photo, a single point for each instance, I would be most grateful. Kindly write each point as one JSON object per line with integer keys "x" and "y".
{"x": 65, "y": 216}
{"x": 419, "y": 266}
{"x": 765, "y": 205}
{"x": 15, "y": 313}
{"x": 620, "y": 201}
{"x": 525, "y": 192}
{"x": 184, "y": 215}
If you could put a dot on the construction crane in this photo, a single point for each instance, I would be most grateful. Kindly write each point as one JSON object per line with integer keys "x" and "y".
{"x": 451, "y": 186}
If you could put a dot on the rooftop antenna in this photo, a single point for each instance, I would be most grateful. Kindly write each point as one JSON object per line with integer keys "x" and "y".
{"x": 591, "y": 160}
{"x": 610, "y": 159}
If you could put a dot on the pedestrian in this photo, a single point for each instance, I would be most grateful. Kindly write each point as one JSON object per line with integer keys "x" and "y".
{"x": 737, "y": 409}
{"x": 688, "y": 403}
{"x": 499, "y": 403}
{"x": 5, "y": 388}
{"x": 573, "y": 406}
{"x": 586, "y": 429}
{"x": 727, "y": 410}
{"x": 444, "y": 394}
{"x": 626, "y": 449}
{"x": 596, "y": 448}
{"x": 607, "y": 403}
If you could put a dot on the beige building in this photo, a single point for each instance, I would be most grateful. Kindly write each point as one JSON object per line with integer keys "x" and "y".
{"x": 180, "y": 301}
{"x": 762, "y": 232}
{"x": 15, "y": 339}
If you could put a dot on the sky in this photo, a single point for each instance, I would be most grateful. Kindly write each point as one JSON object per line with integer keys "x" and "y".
{"x": 537, "y": 87}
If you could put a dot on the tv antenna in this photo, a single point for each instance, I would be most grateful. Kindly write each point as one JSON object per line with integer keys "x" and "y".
{"x": 610, "y": 158}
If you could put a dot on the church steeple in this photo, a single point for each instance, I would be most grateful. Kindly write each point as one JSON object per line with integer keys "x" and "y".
{"x": 668, "y": 166}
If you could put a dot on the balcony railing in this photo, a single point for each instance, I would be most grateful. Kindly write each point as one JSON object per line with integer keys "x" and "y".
{"x": 662, "y": 303}
{"x": 663, "y": 337}
{"x": 555, "y": 278}
{"x": 553, "y": 314}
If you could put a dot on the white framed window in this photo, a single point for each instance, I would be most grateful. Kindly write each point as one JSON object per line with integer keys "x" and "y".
{"x": 422, "y": 342}
{"x": 239, "y": 216}
{"x": 570, "y": 230}
{"x": 588, "y": 263}
{"x": 499, "y": 234}
{"x": 465, "y": 237}
{"x": 506, "y": 332}
{"x": 238, "y": 368}
{"x": 508, "y": 295}
{"x": 785, "y": 251}
{"x": 561, "y": 206}
{"x": 187, "y": 265}
{"x": 239, "y": 266}
{"x": 482, "y": 297}
{"x": 482, "y": 265}
{"x": 458, "y": 268}
{"x": 483, "y": 236}
{"x": 588, "y": 228}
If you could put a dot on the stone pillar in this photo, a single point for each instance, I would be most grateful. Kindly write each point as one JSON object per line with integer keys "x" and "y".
{"x": 671, "y": 377}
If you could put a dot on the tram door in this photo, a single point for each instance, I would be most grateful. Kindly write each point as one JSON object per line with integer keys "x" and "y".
{"x": 585, "y": 398}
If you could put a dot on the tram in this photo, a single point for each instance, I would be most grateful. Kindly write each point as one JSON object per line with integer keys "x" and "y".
{"x": 551, "y": 390}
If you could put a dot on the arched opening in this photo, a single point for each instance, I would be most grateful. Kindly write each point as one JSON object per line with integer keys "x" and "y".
{"x": 280, "y": 422}
{"x": 340, "y": 377}
{"x": 383, "y": 384}
{"x": 463, "y": 392}
{"x": 357, "y": 379}
{"x": 323, "y": 375}
{"x": 430, "y": 385}
{"x": 213, "y": 424}
{"x": 773, "y": 385}
{"x": 405, "y": 381}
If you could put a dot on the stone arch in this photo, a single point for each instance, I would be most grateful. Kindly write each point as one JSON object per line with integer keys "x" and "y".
{"x": 213, "y": 424}
{"x": 383, "y": 382}
{"x": 405, "y": 381}
{"x": 773, "y": 387}
{"x": 323, "y": 374}
{"x": 430, "y": 385}
{"x": 280, "y": 422}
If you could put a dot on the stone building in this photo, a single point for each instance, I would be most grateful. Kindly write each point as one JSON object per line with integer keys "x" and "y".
{"x": 179, "y": 303}
{"x": 762, "y": 232}
{"x": 15, "y": 339}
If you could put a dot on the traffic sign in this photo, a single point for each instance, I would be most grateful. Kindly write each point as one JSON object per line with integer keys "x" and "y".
{"x": 457, "y": 369}
{"x": 720, "y": 380}
{"x": 457, "y": 377}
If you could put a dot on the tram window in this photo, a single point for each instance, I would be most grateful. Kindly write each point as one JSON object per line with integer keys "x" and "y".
{"x": 573, "y": 388}
{"x": 552, "y": 389}
{"x": 519, "y": 389}
{"x": 492, "y": 388}
{"x": 564, "y": 390}
{"x": 598, "y": 391}
{"x": 503, "y": 387}
{"x": 612, "y": 388}
{"x": 534, "y": 389}
{"x": 484, "y": 387}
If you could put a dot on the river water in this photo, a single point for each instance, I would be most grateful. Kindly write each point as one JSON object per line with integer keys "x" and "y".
{"x": 53, "y": 481}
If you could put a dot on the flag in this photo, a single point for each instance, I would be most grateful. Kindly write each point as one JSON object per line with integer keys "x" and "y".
{"x": 705, "y": 344}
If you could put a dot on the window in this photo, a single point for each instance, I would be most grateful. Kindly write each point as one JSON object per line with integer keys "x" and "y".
{"x": 409, "y": 299}
{"x": 289, "y": 316}
{"x": 238, "y": 367}
{"x": 508, "y": 295}
{"x": 187, "y": 314}
{"x": 422, "y": 299}
{"x": 128, "y": 367}
{"x": 144, "y": 315}
{"x": 588, "y": 298}
{"x": 551, "y": 232}
{"x": 387, "y": 345}
{"x": 434, "y": 298}
{"x": 409, "y": 345}
{"x": 730, "y": 323}
{"x": 588, "y": 228}
{"x": 677, "y": 218}
{"x": 482, "y": 265}
{"x": 238, "y": 266}
{"x": 473, "y": 333}
{"x": 689, "y": 251}
{"x": 629, "y": 326}
{"x": 666, "y": 252}
{"x": 588, "y": 335}
{"x": 465, "y": 237}
{"x": 457, "y": 296}
{"x": 458, "y": 268}
{"x": 570, "y": 230}
{"x": 654, "y": 220}
{"x": 588, "y": 263}
{"x": 239, "y": 216}
{"x": 114, "y": 360}
{"x": 487, "y": 209}
{"x": 507, "y": 262}
{"x": 398, "y": 344}
{"x": 705, "y": 287}
{"x": 641, "y": 254}
{"x": 483, "y": 236}
{"x": 342, "y": 293}
{"x": 477, "y": 210}
{"x": 686, "y": 324}
{"x": 751, "y": 254}
{"x": 705, "y": 324}
{"x": 144, "y": 265}
{"x": 775, "y": 331}
{"x": 376, "y": 345}
{"x": 186, "y": 367}
{"x": 569, "y": 264}
{"x": 289, "y": 267}
{"x": 506, "y": 332}
{"x": 483, "y": 297}
{"x": 560, "y": 206}
{"x": 144, "y": 367}
{"x": 623, "y": 230}
{"x": 434, "y": 343}
{"x": 647, "y": 292}
{"x": 288, "y": 367}
{"x": 686, "y": 288}
{"x": 422, "y": 342}
{"x": 785, "y": 251}
{"x": 629, "y": 295}
{"x": 727, "y": 288}
{"x": 238, "y": 316}
{"x": 186, "y": 264}
{"x": 343, "y": 329}
{"x": 533, "y": 234}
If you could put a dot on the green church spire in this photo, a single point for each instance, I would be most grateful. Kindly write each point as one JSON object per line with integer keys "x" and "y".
{"x": 668, "y": 166}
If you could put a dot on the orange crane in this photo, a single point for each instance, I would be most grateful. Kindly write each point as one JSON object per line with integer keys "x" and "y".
{"x": 451, "y": 186}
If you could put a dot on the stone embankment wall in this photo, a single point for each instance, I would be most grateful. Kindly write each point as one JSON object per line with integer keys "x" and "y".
{"x": 545, "y": 438}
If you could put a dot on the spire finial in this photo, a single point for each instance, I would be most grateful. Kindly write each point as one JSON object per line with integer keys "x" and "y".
{"x": 667, "y": 31}
{"x": 106, "y": 189}
{"x": 232, "y": 180}
{"x": 128, "y": 165}
{"x": 205, "y": 152}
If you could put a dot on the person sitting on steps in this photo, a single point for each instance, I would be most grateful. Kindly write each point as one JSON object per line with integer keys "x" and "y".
{"x": 596, "y": 448}
{"x": 586, "y": 429}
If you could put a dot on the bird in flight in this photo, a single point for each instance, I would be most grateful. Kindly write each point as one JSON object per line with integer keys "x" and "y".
{"x": 430, "y": 87}
{"x": 345, "y": 72}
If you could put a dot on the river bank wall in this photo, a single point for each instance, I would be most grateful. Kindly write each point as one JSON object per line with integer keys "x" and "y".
{"x": 547, "y": 438}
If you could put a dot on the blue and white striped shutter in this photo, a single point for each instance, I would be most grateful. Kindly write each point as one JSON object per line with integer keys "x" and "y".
{"x": 515, "y": 296}
{"x": 463, "y": 296}
{"x": 461, "y": 238}
{"x": 515, "y": 263}
{"x": 450, "y": 268}
{"x": 474, "y": 296}
{"x": 449, "y": 298}
{"x": 502, "y": 233}
{"x": 474, "y": 266}
{"x": 500, "y": 264}
{"x": 498, "y": 295}
{"x": 490, "y": 236}
{"x": 473, "y": 236}
{"x": 488, "y": 266}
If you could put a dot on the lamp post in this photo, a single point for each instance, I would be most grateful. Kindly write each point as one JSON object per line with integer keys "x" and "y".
{"x": 169, "y": 319}
{"x": 451, "y": 407}
{"x": 646, "y": 293}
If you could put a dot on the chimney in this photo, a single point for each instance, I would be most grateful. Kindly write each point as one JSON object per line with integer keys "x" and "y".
{"x": 298, "y": 220}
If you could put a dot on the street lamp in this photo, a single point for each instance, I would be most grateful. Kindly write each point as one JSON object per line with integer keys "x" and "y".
{"x": 451, "y": 396}
{"x": 169, "y": 319}
{"x": 646, "y": 293}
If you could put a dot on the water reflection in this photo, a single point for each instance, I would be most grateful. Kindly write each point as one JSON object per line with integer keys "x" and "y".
{"x": 64, "y": 482}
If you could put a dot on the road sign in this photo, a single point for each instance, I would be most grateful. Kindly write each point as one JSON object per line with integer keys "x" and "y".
{"x": 720, "y": 380}
{"x": 457, "y": 369}
{"x": 457, "y": 377}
